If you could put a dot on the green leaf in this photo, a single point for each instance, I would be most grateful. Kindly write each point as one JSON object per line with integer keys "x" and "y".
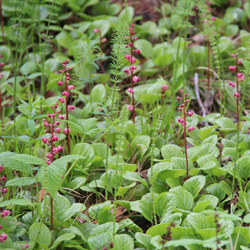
{"x": 19, "y": 202}
{"x": 64, "y": 237}
{"x": 123, "y": 242}
{"x": 50, "y": 177}
{"x": 96, "y": 209}
{"x": 225, "y": 44}
{"x": 169, "y": 151}
{"x": 127, "y": 14}
{"x": 133, "y": 176}
{"x": 165, "y": 204}
{"x": 144, "y": 206}
{"x": 64, "y": 39}
{"x": 144, "y": 239}
{"x": 159, "y": 229}
{"x": 31, "y": 125}
{"x": 195, "y": 184}
{"x": 144, "y": 46}
{"x": 29, "y": 159}
{"x": 163, "y": 60}
{"x": 243, "y": 167}
{"x": 225, "y": 123}
{"x": 216, "y": 190}
{"x": 38, "y": 232}
{"x": 184, "y": 199}
{"x": 27, "y": 68}
{"x": 98, "y": 94}
{"x": 22, "y": 181}
{"x": 247, "y": 218}
{"x": 5, "y": 51}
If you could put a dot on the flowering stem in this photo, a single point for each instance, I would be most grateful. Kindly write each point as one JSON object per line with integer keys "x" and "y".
{"x": 237, "y": 86}
{"x": 67, "y": 109}
{"x": 131, "y": 77}
{"x": 185, "y": 136}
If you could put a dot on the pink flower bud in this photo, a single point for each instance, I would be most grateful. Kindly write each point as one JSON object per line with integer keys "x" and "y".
{"x": 137, "y": 51}
{"x": 44, "y": 140}
{"x": 5, "y": 190}
{"x": 60, "y": 83}
{"x": 186, "y": 95}
{"x": 1, "y": 168}
{"x": 164, "y": 87}
{"x": 65, "y": 93}
{"x": 126, "y": 71}
{"x": 26, "y": 246}
{"x": 190, "y": 129}
{"x": 104, "y": 40}
{"x": 96, "y": 30}
{"x": 130, "y": 108}
{"x": 5, "y": 236}
{"x": 233, "y": 55}
{"x": 130, "y": 90}
{"x": 62, "y": 117}
{"x": 54, "y": 138}
{"x": 67, "y": 131}
{"x": 182, "y": 105}
{"x": 213, "y": 19}
{"x": 135, "y": 79}
{"x": 126, "y": 46}
{"x": 58, "y": 130}
{"x": 132, "y": 68}
{"x": 237, "y": 94}
{"x": 205, "y": 36}
{"x": 190, "y": 113}
{"x": 205, "y": 21}
{"x": 231, "y": 84}
{"x": 181, "y": 90}
{"x": 232, "y": 68}
{"x": 3, "y": 178}
{"x": 71, "y": 108}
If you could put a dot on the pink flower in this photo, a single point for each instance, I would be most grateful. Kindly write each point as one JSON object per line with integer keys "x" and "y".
{"x": 71, "y": 108}
{"x": 132, "y": 68}
{"x": 213, "y": 19}
{"x": 58, "y": 130}
{"x": 130, "y": 90}
{"x": 135, "y": 79}
{"x": 65, "y": 93}
{"x": 205, "y": 21}
{"x": 164, "y": 87}
{"x": 181, "y": 90}
{"x": 130, "y": 108}
{"x": 3, "y": 178}
{"x": 233, "y": 55}
{"x": 239, "y": 61}
{"x": 62, "y": 100}
{"x": 237, "y": 94}
{"x": 60, "y": 83}
{"x": 71, "y": 87}
{"x": 44, "y": 140}
{"x": 104, "y": 40}
{"x": 126, "y": 71}
{"x": 231, "y": 84}
{"x": 26, "y": 246}
{"x": 190, "y": 129}
{"x": 232, "y": 68}
{"x": 205, "y": 36}
{"x": 137, "y": 51}
{"x": 190, "y": 113}
{"x": 96, "y": 30}
{"x": 5, "y": 236}
{"x": 5, "y": 213}
{"x": 62, "y": 117}
{"x": 5, "y": 190}
{"x": 1, "y": 168}
{"x": 67, "y": 131}
{"x": 54, "y": 138}
{"x": 182, "y": 105}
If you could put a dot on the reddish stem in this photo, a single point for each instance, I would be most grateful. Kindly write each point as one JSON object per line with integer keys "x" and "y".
{"x": 237, "y": 85}
{"x": 185, "y": 134}
{"x": 51, "y": 151}
{"x": 67, "y": 110}
{"x": 162, "y": 93}
{"x": 2, "y": 23}
{"x": 131, "y": 77}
